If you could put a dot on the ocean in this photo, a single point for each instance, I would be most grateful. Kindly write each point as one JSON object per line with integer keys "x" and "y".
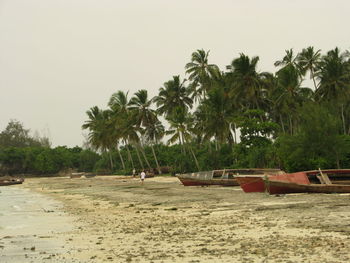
{"x": 32, "y": 226}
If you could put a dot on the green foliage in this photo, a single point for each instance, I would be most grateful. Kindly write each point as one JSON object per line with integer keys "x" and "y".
{"x": 15, "y": 135}
{"x": 318, "y": 142}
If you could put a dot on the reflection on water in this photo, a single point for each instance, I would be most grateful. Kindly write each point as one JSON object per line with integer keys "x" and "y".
{"x": 30, "y": 225}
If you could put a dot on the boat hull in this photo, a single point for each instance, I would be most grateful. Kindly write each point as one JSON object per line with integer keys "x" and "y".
{"x": 280, "y": 187}
{"x": 251, "y": 184}
{"x": 203, "y": 182}
{"x": 256, "y": 184}
{"x": 11, "y": 182}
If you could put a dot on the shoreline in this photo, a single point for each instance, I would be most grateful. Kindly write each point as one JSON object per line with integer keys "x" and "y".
{"x": 32, "y": 226}
{"x": 118, "y": 220}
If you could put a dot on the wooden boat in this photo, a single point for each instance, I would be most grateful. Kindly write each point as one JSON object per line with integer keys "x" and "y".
{"x": 336, "y": 176}
{"x": 281, "y": 187}
{"x": 255, "y": 183}
{"x": 76, "y": 175}
{"x": 226, "y": 177}
{"x": 325, "y": 181}
{"x": 89, "y": 175}
{"x": 10, "y": 181}
{"x": 252, "y": 183}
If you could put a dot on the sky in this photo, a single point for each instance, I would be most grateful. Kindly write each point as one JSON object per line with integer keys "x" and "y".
{"x": 58, "y": 58}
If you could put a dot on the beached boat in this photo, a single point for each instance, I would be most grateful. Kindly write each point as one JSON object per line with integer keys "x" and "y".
{"x": 76, "y": 175}
{"x": 336, "y": 176}
{"x": 283, "y": 187}
{"x": 255, "y": 183}
{"x": 7, "y": 180}
{"x": 226, "y": 177}
{"x": 252, "y": 183}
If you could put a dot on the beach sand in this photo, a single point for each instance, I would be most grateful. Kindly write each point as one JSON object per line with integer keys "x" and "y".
{"x": 115, "y": 219}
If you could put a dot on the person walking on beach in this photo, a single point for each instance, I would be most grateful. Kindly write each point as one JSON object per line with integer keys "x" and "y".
{"x": 133, "y": 172}
{"x": 143, "y": 176}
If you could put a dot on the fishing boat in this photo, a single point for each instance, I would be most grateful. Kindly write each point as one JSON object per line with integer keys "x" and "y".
{"x": 284, "y": 187}
{"x": 76, "y": 175}
{"x": 255, "y": 183}
{"x": 336, "y": 176}
{"x": 89, "y": 175}
{"x": 7, "y": 180}
{"x": 226, "y": 177}
{"x": 250, "y": 183}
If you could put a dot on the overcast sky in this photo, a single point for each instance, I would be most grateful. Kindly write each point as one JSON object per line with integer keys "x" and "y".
{"x": 58, "y": 58}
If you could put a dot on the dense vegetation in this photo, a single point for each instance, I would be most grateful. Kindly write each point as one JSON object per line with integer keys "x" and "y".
{"x": 238, "y": 117}
{"x": 214, "y": 118}
{"x": 21, "y": 153}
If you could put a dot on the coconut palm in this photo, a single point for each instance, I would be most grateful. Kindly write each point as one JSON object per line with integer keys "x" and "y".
{"x": 200, "y": 73}
{"x": 174, "y": 94}
{"x": 144, "y": 116}
{"x": 245, "y": 82}
{"x": 288, "y": 95}
{"x": 308, "y": 60}
{"x": 99, "y": 128}
{"x": 154, "y": 133}
{"x": 125, "y": 120}
{"x": 334, "y": 78}
{"x": 180, "y": 130}
{"x": 217, "y": 123}
{"x": 289, "y": 59}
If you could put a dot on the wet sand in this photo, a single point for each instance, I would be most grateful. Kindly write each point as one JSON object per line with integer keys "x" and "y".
{"x": 32, "y": 226}
{"x": 118, "y": 220}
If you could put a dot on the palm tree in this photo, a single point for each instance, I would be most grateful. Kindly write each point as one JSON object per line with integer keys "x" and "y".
{"x": 143, "y": 114}
{"x": 200, "y": 73}
{"x": 308, "y": 60}
{"x": 119, "y": 102}
{"x": 245, "y": 81}
{"x": 334, "y": 78}
{"x": 217, "y": 122}
{"x": 180, "y": 130}
{"x": 124, "y": 119}
{"x": 288, "y": 95}
{"x": 288, "y": 60}
{"x": 173, "y": 94}
{"x": 98, "y": 125}
{"x": 154, "y": 133}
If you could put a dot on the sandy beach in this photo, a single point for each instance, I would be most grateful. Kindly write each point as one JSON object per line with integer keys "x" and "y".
{"x": 116, "y": 219}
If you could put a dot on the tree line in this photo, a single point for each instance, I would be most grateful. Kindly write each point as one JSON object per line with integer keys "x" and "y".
{"x": 211, "y": 119}
{"x": 237, "y": 117}
{"x": 22, "y": 153}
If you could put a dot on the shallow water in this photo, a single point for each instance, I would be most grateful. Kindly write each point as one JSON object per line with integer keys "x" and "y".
{"x": 30, "y": 226}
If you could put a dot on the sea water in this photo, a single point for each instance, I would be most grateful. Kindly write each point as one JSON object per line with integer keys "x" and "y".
{"x": 32, "y": 226}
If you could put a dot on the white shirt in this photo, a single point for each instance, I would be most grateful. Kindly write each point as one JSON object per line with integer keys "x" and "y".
{"x": 143, "y": 175}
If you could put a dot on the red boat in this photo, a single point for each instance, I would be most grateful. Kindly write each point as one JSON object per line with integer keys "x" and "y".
{"x": 225, "y": 177}
{"x": 255, "y": 183}
{"x": 251, "y": 183}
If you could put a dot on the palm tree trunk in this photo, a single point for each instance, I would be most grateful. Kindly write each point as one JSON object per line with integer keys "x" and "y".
{"x": 182, "y": 144}
{"x": 138, "y": 156}
{"x": 313, "y": 78}
{"x": 235, "y": 132}
{"x": 155, "y": 158}
{"x": 291, "y": 125}
{"x": 343, "y": 118}
{"x": 194, "y": 157}
{"x": 111, "y": 160}
{"x": 282, "y": 124}
{"x": 129, "y": 155}
{"x": 121, "y": 158}
{"x": 145, "y": 157}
